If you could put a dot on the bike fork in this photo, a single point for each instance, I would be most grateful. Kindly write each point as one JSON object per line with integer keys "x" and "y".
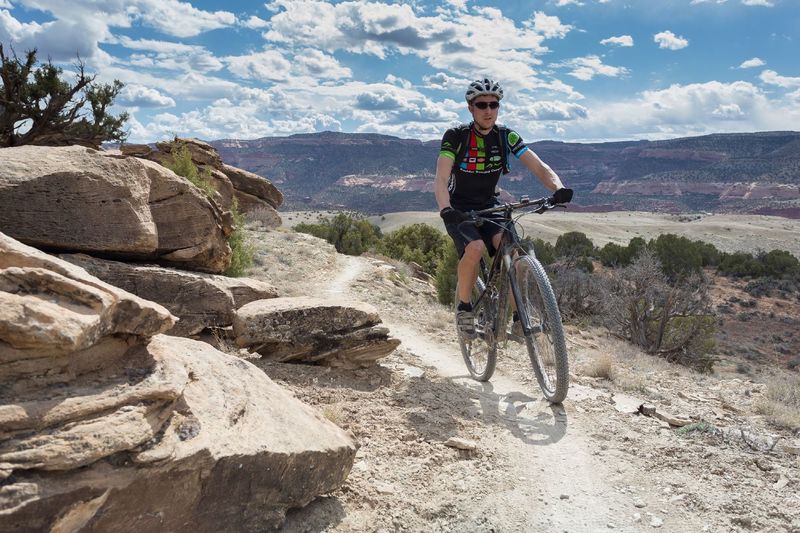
{"x": 522, "y": 312}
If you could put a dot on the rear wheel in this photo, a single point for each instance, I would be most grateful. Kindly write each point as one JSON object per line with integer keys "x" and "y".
{"x": 547, "y": 348}
{"x": 480, "y": 351}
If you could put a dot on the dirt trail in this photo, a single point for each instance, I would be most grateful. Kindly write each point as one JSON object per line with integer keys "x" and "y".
{"x": 557, "y": 483}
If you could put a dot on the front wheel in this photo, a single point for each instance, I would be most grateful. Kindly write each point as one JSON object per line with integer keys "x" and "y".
{"x": 480, "y": 351}
{"x": 544, "y": 336}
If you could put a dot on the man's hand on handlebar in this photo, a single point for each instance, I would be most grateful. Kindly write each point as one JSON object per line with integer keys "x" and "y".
{"x": 562, "y": 196}
{"x": 452, "y": 216}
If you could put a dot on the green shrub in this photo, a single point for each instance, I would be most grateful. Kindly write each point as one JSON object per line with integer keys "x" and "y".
{"x": 418, "y": 243}
{"x": 698, "y": 427}
{"x": 181, "y": 164}
{"x": 740, "y": 265}
{"x": 242, "y": 251}
{"x": 780, "y": 264}
{"x": 544, "y": 251}
{"x": 613, "y": 255}
{"x": 349, "y": 234}
{"x": 679, "y": 256}
{"x": 446, "y": 275}
{"x": 574, "y": 244}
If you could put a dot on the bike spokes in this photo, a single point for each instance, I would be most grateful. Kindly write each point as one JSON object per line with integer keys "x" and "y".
{"x": 545, "y": 338}
{"x": 480, "y": 351}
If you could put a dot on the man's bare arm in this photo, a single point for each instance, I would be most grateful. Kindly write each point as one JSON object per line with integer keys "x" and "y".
{"x": 541, "y": 170}
{"x": 444, "y": 165}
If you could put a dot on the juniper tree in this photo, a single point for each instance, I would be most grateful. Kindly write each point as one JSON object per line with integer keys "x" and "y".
{"x": 37, "y": 106}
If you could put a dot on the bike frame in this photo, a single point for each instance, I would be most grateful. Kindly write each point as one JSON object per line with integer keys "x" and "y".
{"x": 510, "y": 251}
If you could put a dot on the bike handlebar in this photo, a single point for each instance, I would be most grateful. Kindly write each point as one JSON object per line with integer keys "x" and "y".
{"x": 542, "y": 204}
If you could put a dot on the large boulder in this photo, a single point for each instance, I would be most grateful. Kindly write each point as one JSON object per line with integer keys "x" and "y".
{"x": 254, "y": 185}
{"x": 160, "y": 434}
{"x": 258, "y": 210}
{"x": 76, "y": 199}
{"x": 185, "y": 439}
{"x": 199, "y": 300}
{"x": 202, "y": 153}
{"x": 252, "y": 192}
{"x": 312, "y": 330}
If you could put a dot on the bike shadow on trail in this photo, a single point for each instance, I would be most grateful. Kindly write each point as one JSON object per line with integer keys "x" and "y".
{"x": 533, "y": 421}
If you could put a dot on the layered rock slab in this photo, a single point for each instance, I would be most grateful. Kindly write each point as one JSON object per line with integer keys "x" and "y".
{"x": 312, "y": 330}
{"x": 78, "y": 199}
{"x": 52, "y": 311}
{"x": 199, "y": 300}
{"x": 158, "y": 434}
{"x": 233, "y": 453}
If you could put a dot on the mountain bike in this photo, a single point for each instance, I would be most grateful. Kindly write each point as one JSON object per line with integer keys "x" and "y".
{"x": 515, "y": 270}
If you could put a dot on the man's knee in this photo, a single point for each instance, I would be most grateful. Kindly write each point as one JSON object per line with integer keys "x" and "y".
{"x": 474, "y": 251}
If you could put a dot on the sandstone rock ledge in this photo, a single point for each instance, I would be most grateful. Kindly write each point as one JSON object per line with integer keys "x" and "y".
{"x": 76, "y": 199}
{"x": 312, "y": 330}
{"x": 199, "y": 300}
{"x": 107, "y": 425}
{"x": 226, "y": 450}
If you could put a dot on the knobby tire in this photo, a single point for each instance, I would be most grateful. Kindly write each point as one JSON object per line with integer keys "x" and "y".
{"x": 546, "y": 345}
{"x": 480, "y": 353}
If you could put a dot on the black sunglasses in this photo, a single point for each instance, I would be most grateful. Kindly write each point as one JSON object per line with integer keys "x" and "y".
{"x": 484, "y": 105}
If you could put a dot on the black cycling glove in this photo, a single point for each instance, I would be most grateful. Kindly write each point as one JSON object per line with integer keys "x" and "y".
{"x": 452, "y": 216}
{"x": 562, "y": 196}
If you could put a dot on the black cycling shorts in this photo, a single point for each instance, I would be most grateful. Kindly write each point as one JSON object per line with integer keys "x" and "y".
{"x": 465, "y": 233}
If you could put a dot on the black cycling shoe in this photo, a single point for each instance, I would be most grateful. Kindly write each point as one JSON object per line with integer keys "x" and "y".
{"x": 465, "y": 322}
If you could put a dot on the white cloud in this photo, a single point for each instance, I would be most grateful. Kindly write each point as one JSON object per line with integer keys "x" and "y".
{"x": 764, "y": 3}
{"x": 667, "y": 39}
{"x": 255, "y": 23}
{"x": 6, "y": 4}
{"x": 250, "y": 113}
{"x": 754, "y": 62}
{"x": 60, "y": 40}
{"x": 682, "y": 110}
{"x": 141, "y": 96}
{"x": 170, "y": 56}
{"x": 549, "y": 27}
{"x": 400, "y": 82}
{"x": 621, "y": 40}
{"x": 586, "y": 68}
{"x": 693, "y": 2}
{"x": 270, "y": 65}
{"x": 559, "y": 111}
{"x": 728, "y": 112}
{"x": 179, "y": 19}
{"x": 463, "y": 43}
{"x": 773, "y": 78}
{"x": 81, "y": 25}
{"x": 319, "y": 65}
{"x": 443, "y": 82}
{"x": 359, "y": 27}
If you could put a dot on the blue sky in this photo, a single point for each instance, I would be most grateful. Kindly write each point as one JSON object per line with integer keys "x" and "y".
{"x": 573, "y": 70}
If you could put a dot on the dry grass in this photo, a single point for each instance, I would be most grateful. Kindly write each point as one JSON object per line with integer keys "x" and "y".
{"x": 781, "y": 402}
{"x": 440, "y": 319}
{"x": 601, "y": 366}
{"x": 333, "y": 412}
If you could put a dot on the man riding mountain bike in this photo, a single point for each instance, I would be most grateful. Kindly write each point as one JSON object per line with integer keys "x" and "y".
{"x": 471, "y": 160}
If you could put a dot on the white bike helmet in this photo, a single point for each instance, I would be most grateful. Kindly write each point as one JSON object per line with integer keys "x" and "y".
{"x": 484, "y": 87}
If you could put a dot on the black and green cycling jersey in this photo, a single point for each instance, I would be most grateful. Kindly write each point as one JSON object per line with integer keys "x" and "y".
{"x": 483, "y": 158}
